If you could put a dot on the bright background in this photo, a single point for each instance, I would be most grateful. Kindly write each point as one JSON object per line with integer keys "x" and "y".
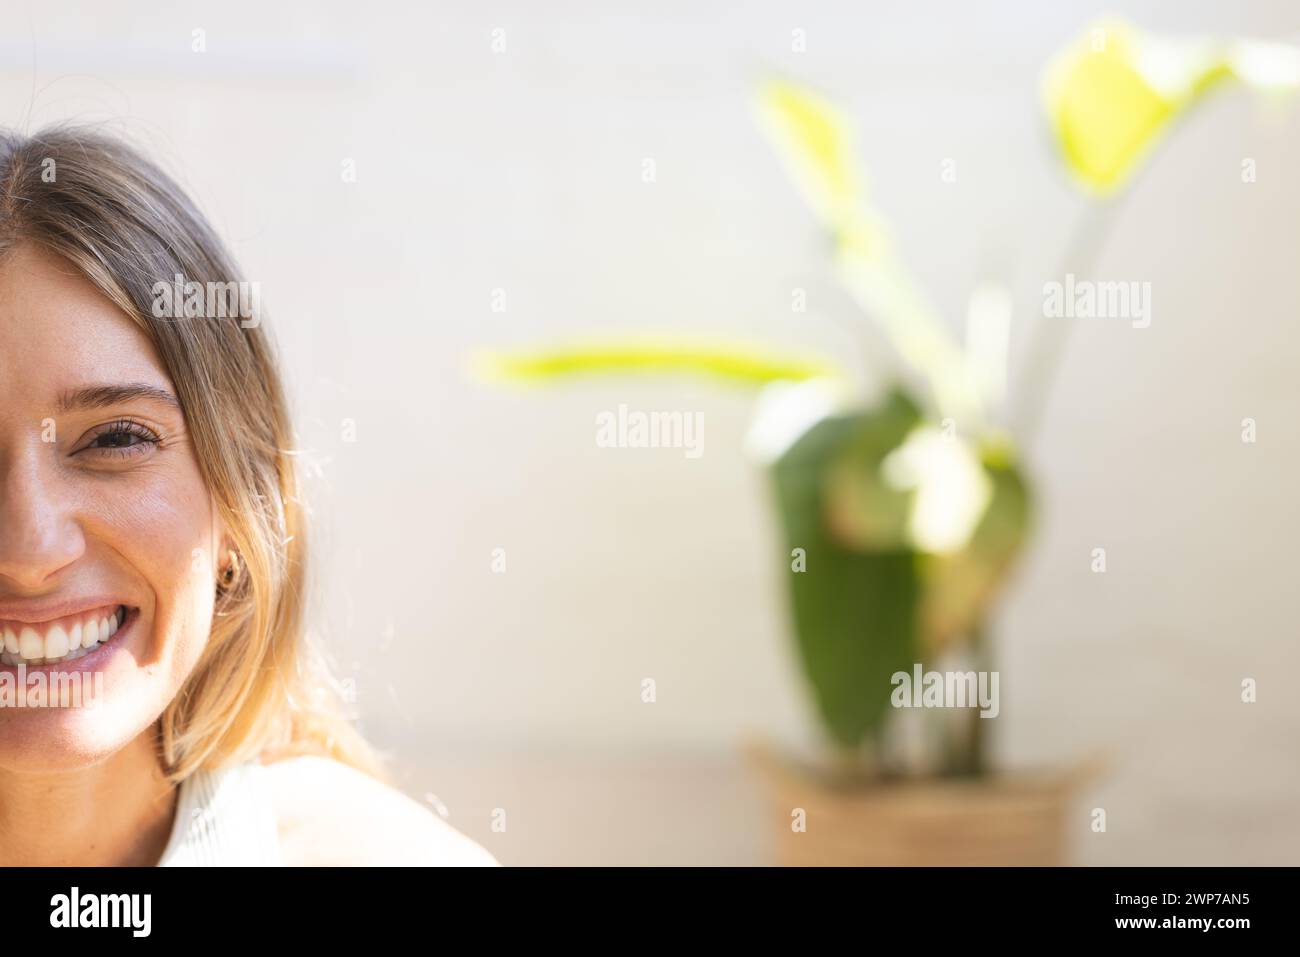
{"x": 522, "y": 171}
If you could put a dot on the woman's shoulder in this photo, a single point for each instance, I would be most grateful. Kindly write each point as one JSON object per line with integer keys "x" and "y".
{"x": 330, "y": 814}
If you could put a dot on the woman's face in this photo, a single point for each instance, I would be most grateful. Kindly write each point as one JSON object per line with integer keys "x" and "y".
{"x": 108, "y": 539}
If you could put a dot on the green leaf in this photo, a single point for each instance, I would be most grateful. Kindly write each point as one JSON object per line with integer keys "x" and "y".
{"x": 862, "y": 512}
{"x": 855, "y": 612}
{"x": 872, "y": 600}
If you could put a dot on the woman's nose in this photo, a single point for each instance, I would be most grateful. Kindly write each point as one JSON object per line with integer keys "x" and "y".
{"x": 39, "y": 533}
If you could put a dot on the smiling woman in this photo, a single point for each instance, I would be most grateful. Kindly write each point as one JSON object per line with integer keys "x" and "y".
{"x": 151, "y": 533}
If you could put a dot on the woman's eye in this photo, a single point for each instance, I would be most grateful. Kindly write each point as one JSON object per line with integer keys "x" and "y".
{"x": 116, "y": 440}
{"x": 124, "y": 439}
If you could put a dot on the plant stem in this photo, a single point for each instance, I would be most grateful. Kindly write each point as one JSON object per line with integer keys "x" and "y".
{"x": 962, "y": 738}
{"x": 1049, "y": 336}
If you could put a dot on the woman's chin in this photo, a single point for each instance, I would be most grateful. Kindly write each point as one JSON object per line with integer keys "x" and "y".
{"x": 39, "y": 736}
{"x": 50, "y": 740}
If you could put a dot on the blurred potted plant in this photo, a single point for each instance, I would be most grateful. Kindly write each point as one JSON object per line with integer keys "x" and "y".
{"x": 904, "y": 515}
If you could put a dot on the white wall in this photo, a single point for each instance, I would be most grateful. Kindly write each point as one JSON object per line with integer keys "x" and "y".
{"x": 522, "y": 170}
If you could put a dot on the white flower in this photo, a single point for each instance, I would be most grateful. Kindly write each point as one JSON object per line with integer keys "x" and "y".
{"x": 951, "y": 489}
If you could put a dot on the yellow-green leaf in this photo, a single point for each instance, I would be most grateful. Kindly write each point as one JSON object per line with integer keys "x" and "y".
{"x": 817, "y": 144}
{"x": 1112, "y": 95}
{"x": 737, "y": 362}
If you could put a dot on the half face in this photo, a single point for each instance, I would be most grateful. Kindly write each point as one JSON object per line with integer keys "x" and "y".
{"x": 107, "y": 532}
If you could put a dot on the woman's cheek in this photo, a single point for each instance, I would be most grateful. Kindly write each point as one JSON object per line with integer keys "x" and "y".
{"x": 160, "y": 520}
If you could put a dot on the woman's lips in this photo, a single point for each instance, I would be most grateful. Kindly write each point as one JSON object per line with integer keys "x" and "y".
{"x": 62, "y": 640}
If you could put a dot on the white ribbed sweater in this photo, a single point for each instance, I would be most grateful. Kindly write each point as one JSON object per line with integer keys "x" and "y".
{"x": 224, "y": 818}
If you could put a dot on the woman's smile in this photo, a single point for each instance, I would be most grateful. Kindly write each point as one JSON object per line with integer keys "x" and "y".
{"x": 35, "y": 642}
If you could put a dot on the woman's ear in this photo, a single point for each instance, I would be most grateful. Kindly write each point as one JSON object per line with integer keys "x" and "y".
{"x": 229, "y": 567}
{"x": 227, "y": 561}
{"x": 223, "y": 549}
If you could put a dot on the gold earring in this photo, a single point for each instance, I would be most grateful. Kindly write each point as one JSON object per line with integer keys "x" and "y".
{"x": 230, "y": 573}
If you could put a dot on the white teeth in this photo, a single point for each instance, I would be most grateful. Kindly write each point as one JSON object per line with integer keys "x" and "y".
{"x": 64, "y": 640}
{"x": 56, "y": 642}
{"x": 30, "y": 644}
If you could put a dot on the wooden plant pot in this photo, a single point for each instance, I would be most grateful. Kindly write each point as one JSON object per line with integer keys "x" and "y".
{"x": 1000, "y": 820}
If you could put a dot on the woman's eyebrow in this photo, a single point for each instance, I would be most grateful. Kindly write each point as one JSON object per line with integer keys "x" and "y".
{"x": 101, "y": 396}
